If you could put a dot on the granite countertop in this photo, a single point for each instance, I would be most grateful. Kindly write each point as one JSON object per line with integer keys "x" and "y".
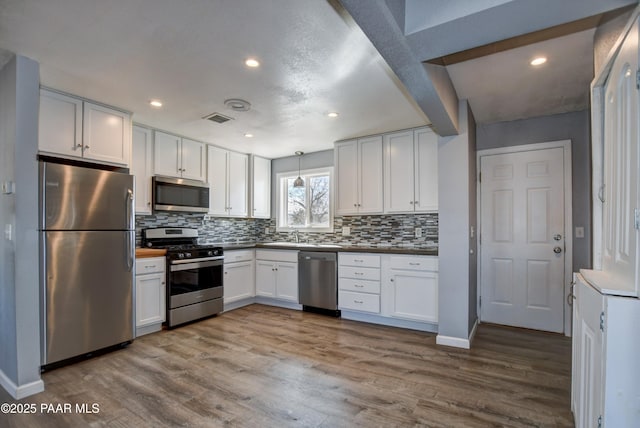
{"x": 423, "y": 251}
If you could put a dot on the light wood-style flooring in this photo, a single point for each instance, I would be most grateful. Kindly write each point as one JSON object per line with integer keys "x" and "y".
{"x": 262, "y": 366}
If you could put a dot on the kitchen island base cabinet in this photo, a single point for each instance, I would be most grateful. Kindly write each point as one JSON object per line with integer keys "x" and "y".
{"x": 277, "y": 278}
{"x": 239, "y": 279}
{"x": 150, "y": 295}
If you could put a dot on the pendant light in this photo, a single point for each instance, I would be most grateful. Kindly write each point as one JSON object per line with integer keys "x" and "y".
{"x": 299, "y": 182}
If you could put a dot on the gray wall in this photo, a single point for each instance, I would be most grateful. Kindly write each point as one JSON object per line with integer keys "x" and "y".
{"x": 568, "y": 126}
{"x": 309, "y": 161}
{"x": 19, "y": 292}
{"x": 456, "y": 215}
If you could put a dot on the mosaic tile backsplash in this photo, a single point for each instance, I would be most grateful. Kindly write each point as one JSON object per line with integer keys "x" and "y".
{"x": 373, "y": 230}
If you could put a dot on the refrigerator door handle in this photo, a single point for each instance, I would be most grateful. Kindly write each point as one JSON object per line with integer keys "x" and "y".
{"x": 129, "y": 252}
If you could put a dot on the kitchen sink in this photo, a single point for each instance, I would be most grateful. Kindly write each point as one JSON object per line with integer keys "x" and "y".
{"x": 299, "y": 245}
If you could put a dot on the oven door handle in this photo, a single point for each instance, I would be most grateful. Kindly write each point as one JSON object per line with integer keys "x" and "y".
{"x": 185, "y": 265}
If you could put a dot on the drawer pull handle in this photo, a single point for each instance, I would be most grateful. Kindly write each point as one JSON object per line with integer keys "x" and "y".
{"x": 359, "y": 273}
{"x": 358, "y": 301}
{"x": 358, "y": 260}
{"x": 414, "y": 264}
{"x": 358, "y": 285}
{"x": 150, "y": 267}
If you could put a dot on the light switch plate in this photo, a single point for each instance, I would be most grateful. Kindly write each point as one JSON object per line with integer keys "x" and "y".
{"x": 418, "y": 232}
{"x": 266, "y": 230}
{"x": 8, "y": 232}
{"x": 579, "y": 232}
{"x": 346, "y": 231}
{"x": 8, "y": 187}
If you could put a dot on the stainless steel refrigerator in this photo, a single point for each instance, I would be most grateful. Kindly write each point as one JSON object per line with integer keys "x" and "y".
{"x": 87, "y": 240}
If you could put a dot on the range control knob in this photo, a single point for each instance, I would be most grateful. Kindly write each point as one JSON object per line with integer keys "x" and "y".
{"x": 188, "y": 255}
{"x": 210, "y": 253}
{"x": 181, "y": 255}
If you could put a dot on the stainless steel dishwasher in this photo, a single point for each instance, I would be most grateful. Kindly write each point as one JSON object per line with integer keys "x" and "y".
{"x": 318, "y": 282}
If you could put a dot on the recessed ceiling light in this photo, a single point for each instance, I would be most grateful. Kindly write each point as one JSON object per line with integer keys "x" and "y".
{"x": 248, "y": 135}
{"x": 539, "y": 60}
{"x": 156, "y": 103}
{"x": 332, "y": 114}
{"x": 252, "y": 62}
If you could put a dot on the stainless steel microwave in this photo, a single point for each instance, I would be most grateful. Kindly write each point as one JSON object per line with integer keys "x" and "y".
{"x": 180, "y": 194}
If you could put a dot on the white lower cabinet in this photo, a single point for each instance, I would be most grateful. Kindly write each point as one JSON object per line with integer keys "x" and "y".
{"x": 413, "y": 288}
{"x": 150, "y": 295}
{"x": 400, "y": 290}
{"x": 359, "y": 282}
{"x": 239, "y": 277}
{"x": 605, "y": 385}
{"x": 277, "y": 274}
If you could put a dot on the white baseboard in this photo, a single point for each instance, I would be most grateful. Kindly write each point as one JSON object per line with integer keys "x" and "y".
{"x": 22, "y": 391}
{"x": 457, "y": 342}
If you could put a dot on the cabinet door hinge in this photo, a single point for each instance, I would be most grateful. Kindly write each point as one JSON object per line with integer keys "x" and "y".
{"x": 602, "y": 321}
{"x": 638, "y": 79}
{"x": 480, "y": 176}
{"x": 600, "y": 421}
{"x": 480, "y": 301}
{"x": 636, "y": 214}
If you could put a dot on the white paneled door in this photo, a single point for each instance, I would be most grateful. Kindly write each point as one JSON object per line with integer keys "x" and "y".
{"x": 522, "y": 239}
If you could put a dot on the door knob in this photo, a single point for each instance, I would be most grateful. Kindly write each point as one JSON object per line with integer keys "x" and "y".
{"x": 557, "y": 250}
{"x": 557, "y": 237}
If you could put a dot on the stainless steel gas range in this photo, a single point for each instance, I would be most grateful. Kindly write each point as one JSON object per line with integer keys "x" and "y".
{"x": 194, "y": 274}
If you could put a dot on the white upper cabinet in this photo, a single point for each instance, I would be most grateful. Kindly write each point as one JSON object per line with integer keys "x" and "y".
{"x": 425, "y": 149}
{"x": 141, "y": 167}
{"x": 238, "y": 184}
{"x": 74, "y": 128}
{"x": 411, "y": 171}
{"x": 193, "y": 160}
{"x": 60, "y": 124}
{"x": 358, "y": 166}
{"x": 398, "y": 171}
{"x": 261, "y": 187}
{"x": 166, "y": 155}
{"x": 179, "y": 157}
{"x": 228, "y": 177}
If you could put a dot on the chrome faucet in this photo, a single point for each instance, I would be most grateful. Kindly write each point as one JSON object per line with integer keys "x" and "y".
{"x": 296, "y": 234}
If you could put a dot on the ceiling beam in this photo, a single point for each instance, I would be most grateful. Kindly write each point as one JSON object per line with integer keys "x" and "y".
{"x": 429, "y": 85}
{"x": 504, "y": 21}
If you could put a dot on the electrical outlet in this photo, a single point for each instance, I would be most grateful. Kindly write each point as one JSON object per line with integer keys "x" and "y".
{"x": 207, "y": 217}
{"x": 8, "y": 232}
{"x": 580, "y": 232}
{"x": 8, "y": 187}
{"x": 266, "y": 230}
{"x": 346, "y": 231}
{"x": 418, "y": 232}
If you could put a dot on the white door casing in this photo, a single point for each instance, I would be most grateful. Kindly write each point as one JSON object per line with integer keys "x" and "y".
{"x": 525, "y": 217}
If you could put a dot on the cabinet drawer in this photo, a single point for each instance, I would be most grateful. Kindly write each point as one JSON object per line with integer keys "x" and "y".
{"x": 238, "y": 256}
{"x": 359, "y": 301}
{"x": 371, "y": 274}
{"x": 150, "y": 265}
{"x": 277, "y": 255}
{"x": 414, "y": 263}
{"x": 358, "y": 259}
{"x": 360, "y": 286}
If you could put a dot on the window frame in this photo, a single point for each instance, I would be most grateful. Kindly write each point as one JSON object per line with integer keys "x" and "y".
{"x": 281, "y": 199}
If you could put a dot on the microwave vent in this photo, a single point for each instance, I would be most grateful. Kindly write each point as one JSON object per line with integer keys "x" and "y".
{"x": 218, "y": 118}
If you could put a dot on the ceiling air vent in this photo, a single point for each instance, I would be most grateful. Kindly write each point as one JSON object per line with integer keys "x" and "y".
{"x": 218, "y": 118}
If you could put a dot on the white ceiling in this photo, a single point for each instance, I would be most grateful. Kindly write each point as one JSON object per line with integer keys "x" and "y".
{"x": 191, "y": 56}
{"x": 504, "y": 86}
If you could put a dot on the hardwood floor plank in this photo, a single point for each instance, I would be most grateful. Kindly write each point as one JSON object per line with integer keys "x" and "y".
{"x": 272, "y": 367}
